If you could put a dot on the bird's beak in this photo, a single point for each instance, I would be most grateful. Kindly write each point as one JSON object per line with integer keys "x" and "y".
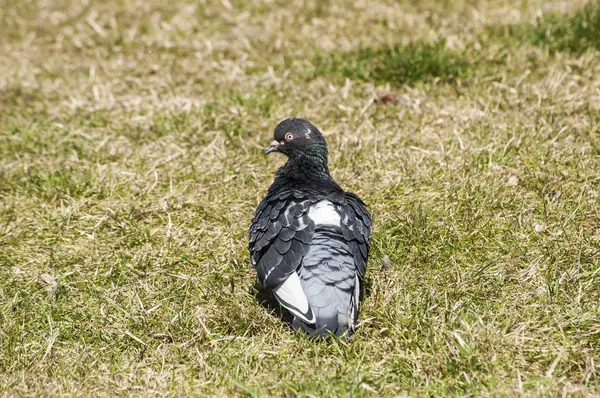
{"x": 273, "y": 147}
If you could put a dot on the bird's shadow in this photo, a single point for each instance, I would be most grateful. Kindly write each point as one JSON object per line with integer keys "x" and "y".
{"x": 266, "y": 298}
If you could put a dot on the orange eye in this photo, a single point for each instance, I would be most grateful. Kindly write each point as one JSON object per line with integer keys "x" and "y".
{"x": 289, "y": 136}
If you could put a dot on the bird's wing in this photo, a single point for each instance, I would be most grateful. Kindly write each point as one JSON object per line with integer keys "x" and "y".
{"x": 280, "y": 236}
{"x": 291, "y": 295}
{"x": 356, "y": 228}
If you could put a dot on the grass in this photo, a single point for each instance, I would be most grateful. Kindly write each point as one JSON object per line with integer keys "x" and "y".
{"x": 397, "y": 65}
{"x": 576, "y": 32}
{"x": 131, "y": 164}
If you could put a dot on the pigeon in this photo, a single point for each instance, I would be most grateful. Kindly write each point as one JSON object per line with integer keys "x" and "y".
{"x": 309, "y": 240}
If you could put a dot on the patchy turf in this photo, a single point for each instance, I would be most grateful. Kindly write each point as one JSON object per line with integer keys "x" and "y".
{"x": 576, "y": 32}
{"x": 131, "y": 164}
{"x": 420, "y": 62}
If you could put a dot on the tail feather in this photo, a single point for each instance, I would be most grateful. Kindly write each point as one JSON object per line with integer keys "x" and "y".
{"x": 327, "y": 323}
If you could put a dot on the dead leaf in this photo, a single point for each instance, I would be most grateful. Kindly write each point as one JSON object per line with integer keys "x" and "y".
{"x": 387, "y": 99}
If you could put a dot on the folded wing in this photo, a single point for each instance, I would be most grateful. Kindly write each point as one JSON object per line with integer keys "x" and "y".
{"x": 280, "y": 236}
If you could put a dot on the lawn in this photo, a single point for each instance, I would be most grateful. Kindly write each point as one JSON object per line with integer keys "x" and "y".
{"x": 131, "y": 136}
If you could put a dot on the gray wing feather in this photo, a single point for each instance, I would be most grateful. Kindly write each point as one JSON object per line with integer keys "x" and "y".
{"x": 279, "y": 236}
{"x": 356, "y": 229}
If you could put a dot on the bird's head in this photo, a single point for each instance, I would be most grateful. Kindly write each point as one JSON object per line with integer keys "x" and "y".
{"x": 298, "y": 138}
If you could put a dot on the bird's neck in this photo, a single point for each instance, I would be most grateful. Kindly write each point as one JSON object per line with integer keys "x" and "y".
{"x": 305, "y": 169}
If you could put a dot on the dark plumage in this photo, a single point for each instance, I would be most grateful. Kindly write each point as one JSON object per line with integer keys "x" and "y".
{"x": 309, "y": 240}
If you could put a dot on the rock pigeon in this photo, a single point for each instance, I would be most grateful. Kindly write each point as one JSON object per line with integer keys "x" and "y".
{"x": 309, "y": 240}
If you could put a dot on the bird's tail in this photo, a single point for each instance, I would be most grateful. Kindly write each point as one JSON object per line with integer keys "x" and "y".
{"x": 336, "y": 318}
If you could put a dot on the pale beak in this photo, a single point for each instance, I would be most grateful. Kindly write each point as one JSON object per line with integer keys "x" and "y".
{"x": 273, "y": 147}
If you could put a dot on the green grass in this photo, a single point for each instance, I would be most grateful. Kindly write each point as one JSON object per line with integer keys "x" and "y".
{"x": 576, "y": 32}
{"x": 398, "y": 65}
{"x": 131, "y": 164}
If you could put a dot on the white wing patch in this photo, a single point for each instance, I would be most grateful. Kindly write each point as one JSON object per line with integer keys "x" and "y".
{"x": 291, "y": 296}
{"x": 323, "y": 213}
{"x": 356, "y": 302}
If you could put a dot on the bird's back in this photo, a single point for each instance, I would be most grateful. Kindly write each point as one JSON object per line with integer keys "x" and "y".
{"x": 324, "y": 262}
{"x": 329, "y": 276}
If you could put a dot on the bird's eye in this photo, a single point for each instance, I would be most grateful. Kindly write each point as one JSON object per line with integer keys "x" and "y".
{"x": 289, "y": 136}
